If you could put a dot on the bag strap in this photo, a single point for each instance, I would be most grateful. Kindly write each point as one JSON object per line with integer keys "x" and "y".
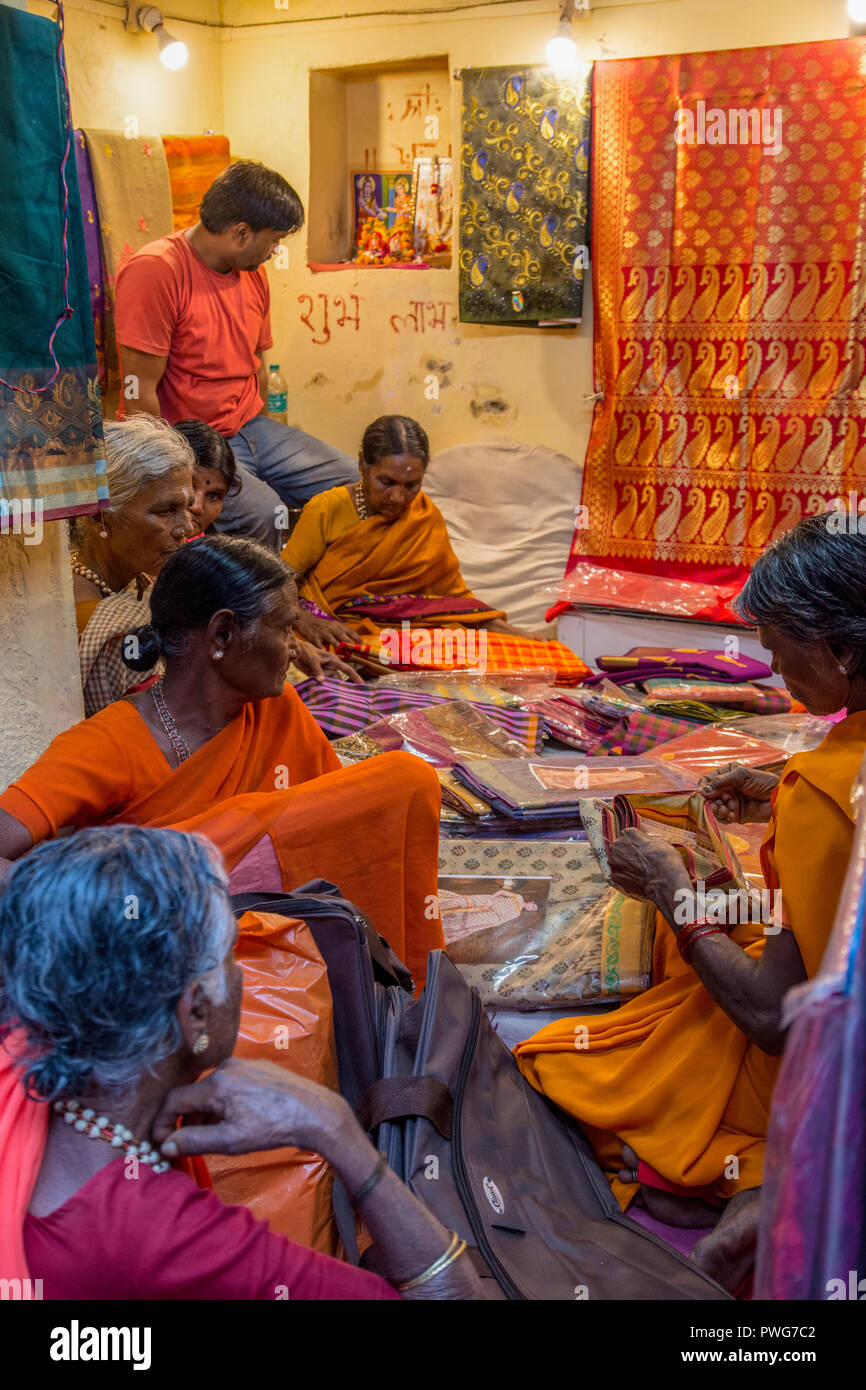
{"x": 398, "y": 1097}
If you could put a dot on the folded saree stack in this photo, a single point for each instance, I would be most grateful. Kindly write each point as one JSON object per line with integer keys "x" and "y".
{"x": 551, "y": 791}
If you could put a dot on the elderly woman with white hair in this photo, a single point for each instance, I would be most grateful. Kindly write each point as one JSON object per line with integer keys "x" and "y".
{"x": 118, "y": 552}
{"x": 107, "y": 1020}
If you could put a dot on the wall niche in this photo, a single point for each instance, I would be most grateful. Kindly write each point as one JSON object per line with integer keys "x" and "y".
{"x": 370, "y": 119}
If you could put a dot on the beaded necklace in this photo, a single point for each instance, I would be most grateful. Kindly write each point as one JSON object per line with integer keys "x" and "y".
{"x": 181, "y": 748}
{"x": 360, "y": 500}
{"x": 78, "y": 568}
{"x": 87, "y": 1122}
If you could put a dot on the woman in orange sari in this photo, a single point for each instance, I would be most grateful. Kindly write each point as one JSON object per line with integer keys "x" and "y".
{"x": 674, "y": 1088}
{"x": 220, "y": 745}
{"x": 374, "y": 562}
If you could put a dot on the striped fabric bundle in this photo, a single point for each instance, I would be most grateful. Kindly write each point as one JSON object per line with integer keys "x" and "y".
{"x": 341, "y": 708}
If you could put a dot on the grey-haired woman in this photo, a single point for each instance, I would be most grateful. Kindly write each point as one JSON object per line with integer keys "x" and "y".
{"x": 108, "y": 1017}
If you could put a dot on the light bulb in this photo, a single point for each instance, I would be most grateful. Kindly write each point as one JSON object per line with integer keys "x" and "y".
{"x": 172, "y": 53}
{"x": 561, "y": 49}
{"x": 857, "y": 11}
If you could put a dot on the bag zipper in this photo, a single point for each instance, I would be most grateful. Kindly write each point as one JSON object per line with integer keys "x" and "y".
{"x": 461, "y": 1176}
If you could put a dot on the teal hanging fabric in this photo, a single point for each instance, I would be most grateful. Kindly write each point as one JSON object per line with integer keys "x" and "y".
{"x": 524, "y": 195}
{"x": 52, "y": 457}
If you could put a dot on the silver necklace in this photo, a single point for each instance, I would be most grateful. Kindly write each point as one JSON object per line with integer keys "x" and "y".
{"x": 360, "y": 500}
{"x": 181, "y": 749}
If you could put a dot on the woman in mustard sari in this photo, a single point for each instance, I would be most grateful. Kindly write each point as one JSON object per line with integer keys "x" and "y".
{"x": 374, "y": 562}
{"x": 674, "y": 1088}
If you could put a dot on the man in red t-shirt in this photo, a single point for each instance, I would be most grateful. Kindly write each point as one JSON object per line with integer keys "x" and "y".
{"x": 193, "y": 319}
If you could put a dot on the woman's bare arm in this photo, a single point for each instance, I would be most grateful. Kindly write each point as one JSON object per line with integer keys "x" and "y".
{"x": 750, "y": 992}
{"x": 15, "y": 840}
{"x": 258, "y": 1105}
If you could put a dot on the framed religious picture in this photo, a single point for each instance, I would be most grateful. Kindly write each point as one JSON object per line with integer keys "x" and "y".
{"x": 383, "y": 210}
{"x": 434, "y": 200}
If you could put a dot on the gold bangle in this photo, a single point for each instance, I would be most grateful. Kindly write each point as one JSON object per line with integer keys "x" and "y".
{"x": 454, "y": 1251}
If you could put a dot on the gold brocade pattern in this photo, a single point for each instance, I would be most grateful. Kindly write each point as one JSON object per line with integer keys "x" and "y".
{"x": 524, "y": 195}
{"x": 730, "y": 336}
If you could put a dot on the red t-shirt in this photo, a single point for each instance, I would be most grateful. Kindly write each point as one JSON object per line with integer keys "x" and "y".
{"x": 211, "y": 327}
{"x": 159, "y": 1236}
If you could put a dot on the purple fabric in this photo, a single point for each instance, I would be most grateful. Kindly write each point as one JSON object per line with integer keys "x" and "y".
{"x": 679, "y": 662}
{"x": 812, "y": 1239}
{"x": 682, "y": 1240}
{"x": 258, "y": 871}
{"x": 398, "y": 606}
{"x": 342, "y": 708}
{"x": 92, "y": 247}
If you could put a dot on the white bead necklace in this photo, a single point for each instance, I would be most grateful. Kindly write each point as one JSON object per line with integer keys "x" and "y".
{"x": 87, "y": 1122}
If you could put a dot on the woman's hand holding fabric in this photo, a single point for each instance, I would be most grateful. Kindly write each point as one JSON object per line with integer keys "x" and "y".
{"x": 643, "y": 867}
{"x": 324, "y": 632}
{"x": 318, "y": 664}
{"x": 739, "y": 794}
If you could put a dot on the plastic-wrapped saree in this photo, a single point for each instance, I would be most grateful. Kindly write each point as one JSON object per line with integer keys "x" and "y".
{"x": 812, "y": 1241}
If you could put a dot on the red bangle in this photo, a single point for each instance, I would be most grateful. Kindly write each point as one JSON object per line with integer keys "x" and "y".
{"x": 693, "y": 932}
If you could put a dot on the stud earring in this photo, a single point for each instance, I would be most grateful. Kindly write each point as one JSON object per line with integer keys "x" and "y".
{"x": 217, "y": 656}
{"x": 202, "y": 1043}
{"x": 844, "y": 670}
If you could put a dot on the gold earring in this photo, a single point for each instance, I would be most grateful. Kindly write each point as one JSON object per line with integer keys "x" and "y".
{"x": 202, "y": 1043}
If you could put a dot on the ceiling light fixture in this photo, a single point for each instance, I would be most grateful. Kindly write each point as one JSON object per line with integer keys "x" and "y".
{"x": 562, "y": 49}
{"x": 172, "y": 53}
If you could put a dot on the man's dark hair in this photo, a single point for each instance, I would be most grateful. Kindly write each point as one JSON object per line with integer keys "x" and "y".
{"x": 251, "y": 192}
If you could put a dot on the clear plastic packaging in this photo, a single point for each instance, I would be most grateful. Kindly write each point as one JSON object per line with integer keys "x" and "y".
{"x": 445, "y": 734}
{"x": 597, "y": 586}
{"x": 584, "y": 944}
{"x": 792, "y": 733}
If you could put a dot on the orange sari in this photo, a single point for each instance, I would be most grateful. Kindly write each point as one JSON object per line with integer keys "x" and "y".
{"x": 387, "y": 578}
{"x": 409, "y": 556}
{"x": 372, "y": 829}
{"x": 668, "y": 1072}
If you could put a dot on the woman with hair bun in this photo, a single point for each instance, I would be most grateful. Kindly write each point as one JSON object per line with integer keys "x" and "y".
{"x": 222, "y": 746}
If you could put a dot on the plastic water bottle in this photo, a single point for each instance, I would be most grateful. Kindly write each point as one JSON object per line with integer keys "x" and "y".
{"x": 277, "y": 401}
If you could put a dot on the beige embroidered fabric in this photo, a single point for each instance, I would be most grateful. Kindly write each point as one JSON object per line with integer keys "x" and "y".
{"x": 592, "y": 945}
